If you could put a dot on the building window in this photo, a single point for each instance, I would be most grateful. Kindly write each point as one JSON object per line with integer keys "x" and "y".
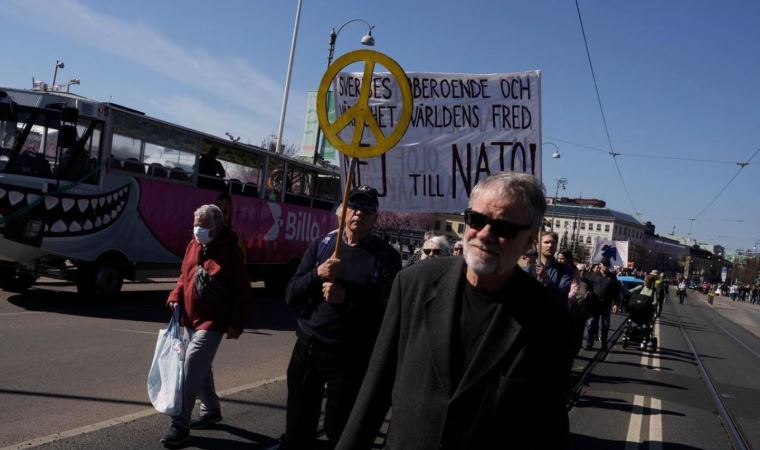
{"x": 590, "y": 226}
{"x": 448, "y": 226}
{"x": 606, "y": 227}
{"x": 588, "y": 239}
{"x": 583, "y": 225}
{"x": 460, "y": 228}
{"x": 437, "y": 225}
{"x": 556, "y": 224}
{"x": 599, "y": 227}
{"x": 566, "y": 223}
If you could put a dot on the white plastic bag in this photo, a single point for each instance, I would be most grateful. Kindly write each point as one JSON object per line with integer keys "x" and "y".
{"x": 167, "y": 369}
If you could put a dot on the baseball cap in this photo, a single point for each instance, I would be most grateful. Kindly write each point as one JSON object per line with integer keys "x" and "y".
{"x": 364, "y": 195}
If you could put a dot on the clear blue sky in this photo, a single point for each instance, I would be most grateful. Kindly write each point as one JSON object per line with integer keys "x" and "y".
{"x": 676, "y": 78}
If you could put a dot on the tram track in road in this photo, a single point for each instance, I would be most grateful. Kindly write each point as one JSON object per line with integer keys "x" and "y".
{"x": 577, "y": 389}
{"x": 731, "y": 426}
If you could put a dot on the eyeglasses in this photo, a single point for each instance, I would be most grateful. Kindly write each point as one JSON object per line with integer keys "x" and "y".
{"x": 428, "y": 251}
{"x": 366, "y": 209}
{"x": 499, "y": 227}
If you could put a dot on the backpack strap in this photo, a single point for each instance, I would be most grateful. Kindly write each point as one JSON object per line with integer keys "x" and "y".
{"x": 324, "y": 246}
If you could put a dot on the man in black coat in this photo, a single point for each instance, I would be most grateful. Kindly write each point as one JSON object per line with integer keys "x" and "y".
{"x": 472, "y": 351}
{"x": 606, "y": 288}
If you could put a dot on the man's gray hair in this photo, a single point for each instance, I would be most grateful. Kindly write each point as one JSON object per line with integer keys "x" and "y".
{"x": 522, "y": 187}
{"x": 211, "y": 211}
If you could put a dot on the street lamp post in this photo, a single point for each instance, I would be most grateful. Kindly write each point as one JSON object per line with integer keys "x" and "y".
{"x": 280, "y": 127}
{"x": 367, "y": 40}
{"x": 562, "y": 182}
{"x": 58, "y": 65}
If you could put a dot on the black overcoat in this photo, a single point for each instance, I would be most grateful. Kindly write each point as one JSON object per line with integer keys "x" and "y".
{"x": 513, "y": 394}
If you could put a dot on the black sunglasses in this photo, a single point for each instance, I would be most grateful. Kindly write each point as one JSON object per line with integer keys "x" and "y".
{"x": 428, "y": 251}
{"x": 366, "y": 209}
{"x": 499, "y": 227}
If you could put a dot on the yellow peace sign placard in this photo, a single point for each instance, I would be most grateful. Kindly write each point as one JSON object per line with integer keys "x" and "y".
{"x": 360, "y": 112}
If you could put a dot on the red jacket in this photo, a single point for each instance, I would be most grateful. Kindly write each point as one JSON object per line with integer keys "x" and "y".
{"x": 223, "y": 260}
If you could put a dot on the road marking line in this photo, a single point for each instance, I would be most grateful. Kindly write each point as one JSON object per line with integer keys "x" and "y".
{"x": 634, "y": 426}
{"x": 20, "y": 313}
{"x": 655, "y": 424}
{"x": 123, "y": 419}
{"x": 656, "y": 358}
{"x": 153, "y": 333}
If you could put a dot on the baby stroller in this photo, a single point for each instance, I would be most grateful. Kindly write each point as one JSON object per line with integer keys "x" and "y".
{"x": 639, "y": 328}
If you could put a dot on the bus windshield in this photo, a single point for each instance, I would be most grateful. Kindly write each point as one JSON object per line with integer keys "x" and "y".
{"x": 29, "y": 145}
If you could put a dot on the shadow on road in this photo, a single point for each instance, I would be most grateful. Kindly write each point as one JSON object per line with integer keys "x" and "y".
{"x": 252, "y": 440}
{"x": 269, "y": 310}
{"x": 591, "y": 401}
{"x": 581, "y": 442}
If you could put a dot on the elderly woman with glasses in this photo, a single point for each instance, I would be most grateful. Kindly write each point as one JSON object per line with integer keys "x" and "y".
{"x": 434, "y": 247}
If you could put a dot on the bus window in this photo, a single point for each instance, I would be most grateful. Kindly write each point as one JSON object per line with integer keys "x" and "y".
{"x": 240, "y": 168}
{"x": 40, "y": 156}
{"x": 327, "y": 191}
{"x": 81, "y": 162}
{"x": 297, "y": 181}
{"x": 163, "y": 161}
{"x": 275, "y": 179}
{"x": 151, "y": 147}
{"x": 125, "y": 153}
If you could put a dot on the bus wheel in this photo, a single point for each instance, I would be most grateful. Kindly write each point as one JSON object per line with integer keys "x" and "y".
{"x": 16, "y": 280}
{"x": 99, "y": 281}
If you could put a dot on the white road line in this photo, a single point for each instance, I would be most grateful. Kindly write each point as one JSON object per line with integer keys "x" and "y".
{"x": 20, "y": 313}
{"x": 633, "y": 438}
{"x": 655, "y": 424}
{"x": 656, "y": 358}
{"x": 153, "y": 333}
{"x": 123, "y": 419}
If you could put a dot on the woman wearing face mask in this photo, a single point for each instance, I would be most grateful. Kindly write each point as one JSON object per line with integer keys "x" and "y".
{"x": 214, "y": 293}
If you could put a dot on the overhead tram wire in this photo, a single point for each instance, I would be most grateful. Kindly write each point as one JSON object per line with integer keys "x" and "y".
{"x": 741, "y": 167}
{"x": 643, "y": 155}
{"x": 601, "y": 109}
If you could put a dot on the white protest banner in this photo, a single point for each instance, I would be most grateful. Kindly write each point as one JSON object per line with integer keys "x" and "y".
{"x": 463, "y": 128}
{"x": 616, "y": 251}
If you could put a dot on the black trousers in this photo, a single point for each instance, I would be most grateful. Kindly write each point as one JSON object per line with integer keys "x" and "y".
{"x": 314, "y": 366}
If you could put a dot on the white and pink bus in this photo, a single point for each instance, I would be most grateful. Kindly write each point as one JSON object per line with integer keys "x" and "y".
{"x": 96, "y": 192}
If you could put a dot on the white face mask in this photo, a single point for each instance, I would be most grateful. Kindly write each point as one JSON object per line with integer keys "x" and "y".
{"x": 202, "y": 235}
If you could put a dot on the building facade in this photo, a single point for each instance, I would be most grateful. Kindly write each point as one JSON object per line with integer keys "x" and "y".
{"x": 578, "y": 226}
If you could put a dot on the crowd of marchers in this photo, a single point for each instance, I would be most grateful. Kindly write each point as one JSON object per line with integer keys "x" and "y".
{"x": 469, "y": 346}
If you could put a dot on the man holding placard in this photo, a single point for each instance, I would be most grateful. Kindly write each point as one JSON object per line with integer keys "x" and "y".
{"x": 343, "y": 301}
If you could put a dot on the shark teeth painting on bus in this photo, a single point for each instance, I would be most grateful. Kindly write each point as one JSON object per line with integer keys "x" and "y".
{"x": 15, "y": 197}
{"x": 51, "y": 202}
{"x": 70, "y": 214}
{"x": 67, "y": 203}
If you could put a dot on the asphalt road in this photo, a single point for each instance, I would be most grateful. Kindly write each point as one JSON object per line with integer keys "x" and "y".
{"x": 68, "y": 364}
{"x": 638, "y": 399}
{"x": 73, "y": 377}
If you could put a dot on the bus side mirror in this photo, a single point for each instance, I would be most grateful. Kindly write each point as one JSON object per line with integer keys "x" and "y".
{"x": 67, "y": 133}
